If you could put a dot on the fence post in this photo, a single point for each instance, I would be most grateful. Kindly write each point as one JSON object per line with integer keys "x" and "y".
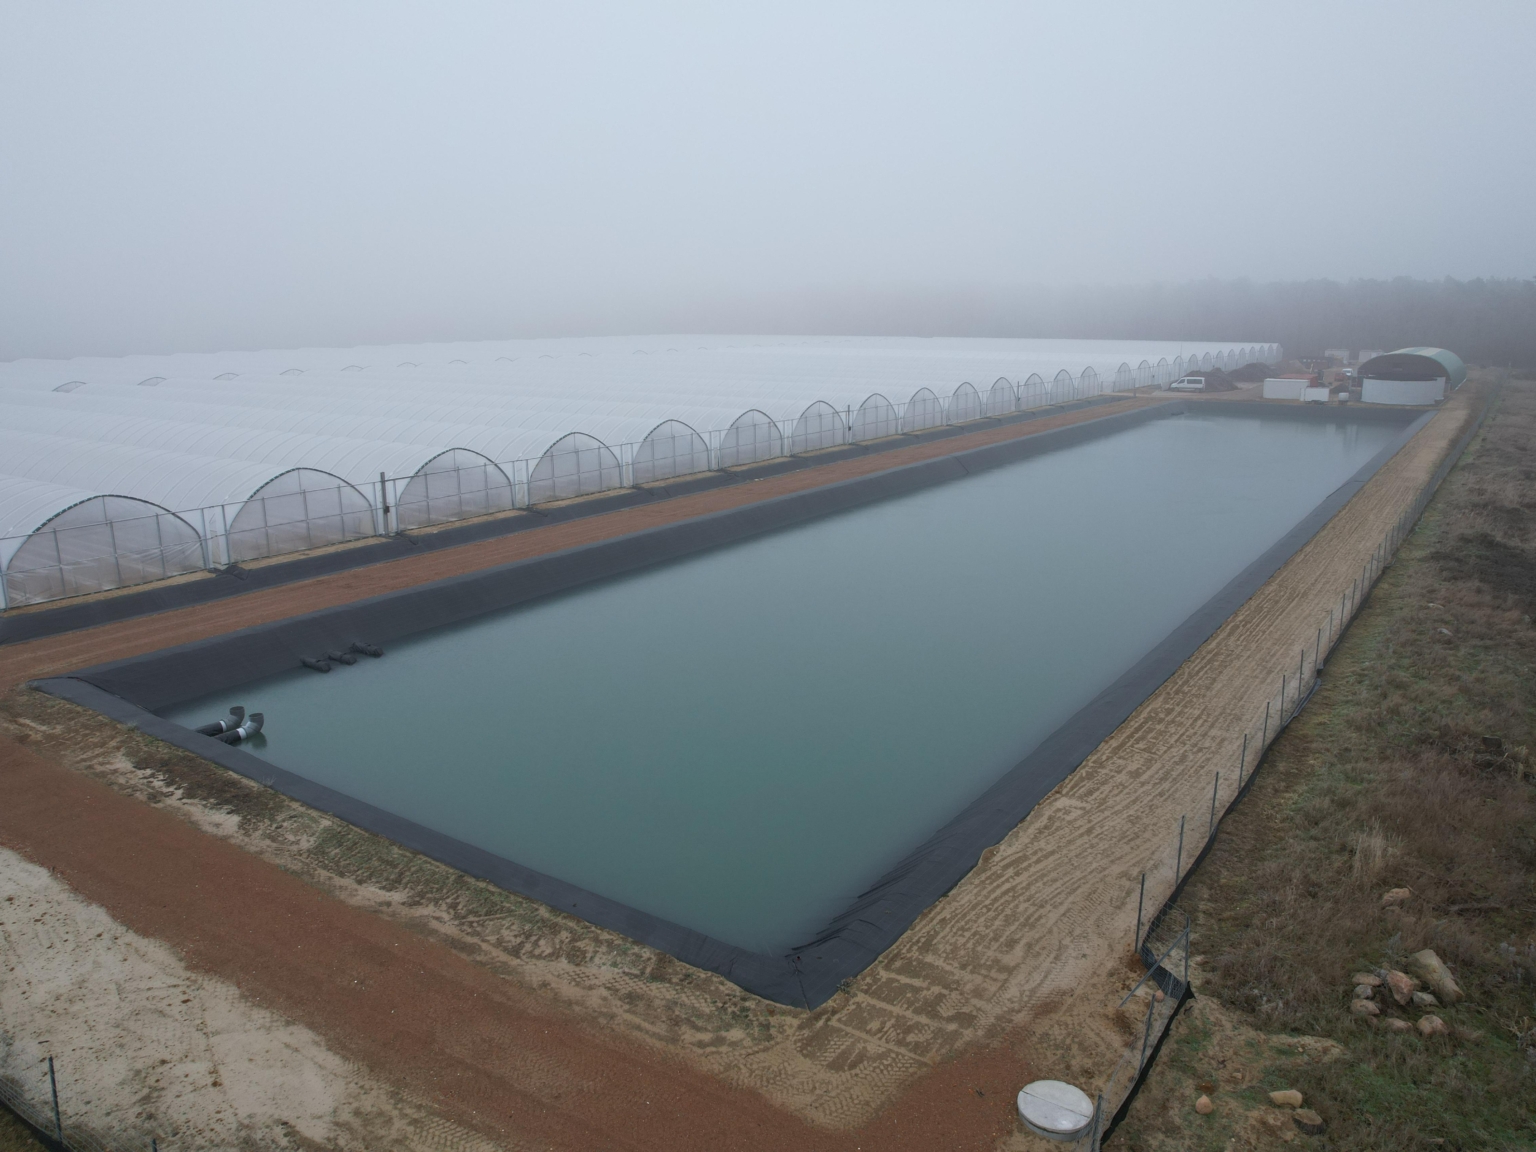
{"x": 1215, "y": 788}
{"x": 1317, "y": 652}
{"x": 53, "y": 1084}
{"x": 1178, "y": 864}
{"x": 1264, "y": 739}
{"x": 1242, "y": 759}
{"x": 1146, "y": 1033}
{"x": 1140, "y": 902}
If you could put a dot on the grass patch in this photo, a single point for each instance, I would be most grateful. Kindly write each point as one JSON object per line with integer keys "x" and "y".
{"x": 1410, "y": 768}
{"x": 16, "y": 1136}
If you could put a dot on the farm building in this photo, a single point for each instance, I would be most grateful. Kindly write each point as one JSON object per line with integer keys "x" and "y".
{"x": 1410, "y": 376}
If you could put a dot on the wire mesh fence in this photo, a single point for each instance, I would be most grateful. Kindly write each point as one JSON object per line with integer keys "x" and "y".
{"x": 1162, "y": 939}
{"x": 40, "y": 1097}
{"x": 118, "y": 542}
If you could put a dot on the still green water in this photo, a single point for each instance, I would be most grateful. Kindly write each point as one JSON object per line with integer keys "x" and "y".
{"x": 743, "y": 741}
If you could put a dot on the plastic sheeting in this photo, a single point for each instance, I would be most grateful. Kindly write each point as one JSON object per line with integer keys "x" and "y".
{"x": 263, "y": 453}
{"x": 131, "y": 690}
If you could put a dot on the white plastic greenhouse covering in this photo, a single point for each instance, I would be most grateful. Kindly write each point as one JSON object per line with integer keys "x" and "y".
{"x": 116, "y": 472}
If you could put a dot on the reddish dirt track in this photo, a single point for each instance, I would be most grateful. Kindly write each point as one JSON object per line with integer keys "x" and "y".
{"x": 409, "y": 1008}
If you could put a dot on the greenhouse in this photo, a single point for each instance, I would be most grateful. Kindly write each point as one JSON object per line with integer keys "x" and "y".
{"x": 116, "y": 472}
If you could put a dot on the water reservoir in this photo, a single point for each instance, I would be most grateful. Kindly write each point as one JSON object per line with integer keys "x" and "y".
{"x": 742, "y": 741}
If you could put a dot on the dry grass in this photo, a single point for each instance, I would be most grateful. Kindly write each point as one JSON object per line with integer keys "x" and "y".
{"x": 1408, "y": 769}
{"x": 16, "y": 1136}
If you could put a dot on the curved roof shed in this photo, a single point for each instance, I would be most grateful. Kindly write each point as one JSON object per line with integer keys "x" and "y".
{"x": 1416, "y": 364}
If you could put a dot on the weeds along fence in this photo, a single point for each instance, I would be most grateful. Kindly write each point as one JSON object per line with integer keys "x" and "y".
{"x": 1162, "y": 936}
{"x": 35, "y": 1099}
{"x": 115, "y": 541}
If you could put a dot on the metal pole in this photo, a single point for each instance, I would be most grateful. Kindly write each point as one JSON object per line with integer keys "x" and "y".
{"x": 1146, "y": 1032}
{"x": 1140, "y": 902}
{"x": 1178, "y": 865}
{"x": 1263, "y": 740}
{"x": 53, "y": 1083}
{"x": 1216, "y": 787}
{"x": 1241, "y": 760}
{"x": 1282, "y": 697}
{"x": 1317, "y": 652}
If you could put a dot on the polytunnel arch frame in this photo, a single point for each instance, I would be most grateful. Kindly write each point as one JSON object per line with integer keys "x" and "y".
{"x": 819, "y": 425}
{"x": 923, "y": 404}
{"x": 731, "y": 452}
{"x": 882, "y": 419}
{"x": 588, "y": 467}
{"x": 354, "y": 519}
{"x": 964, "y": 404}
{"x": 643, "y": 469}
{"x": 415, "y": 501}
{"x": 20, "y": 587}
{"x": 1001, "y": 399}
{"x": 1063, "y": 380}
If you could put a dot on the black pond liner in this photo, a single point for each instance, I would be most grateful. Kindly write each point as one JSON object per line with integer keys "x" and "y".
{"x": 131, "y": 691}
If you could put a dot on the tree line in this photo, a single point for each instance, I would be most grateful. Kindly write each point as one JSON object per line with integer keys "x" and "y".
{"x": 1490, "y": 322}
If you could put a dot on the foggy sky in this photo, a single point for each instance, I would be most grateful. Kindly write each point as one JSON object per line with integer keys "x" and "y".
{"x": 206, "y": 176}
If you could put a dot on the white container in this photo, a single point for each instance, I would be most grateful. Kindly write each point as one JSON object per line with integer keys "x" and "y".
{"x": 1315, "y": 395}
{"x": 1277, "y": 389}
{"x": 1374, "y": 391}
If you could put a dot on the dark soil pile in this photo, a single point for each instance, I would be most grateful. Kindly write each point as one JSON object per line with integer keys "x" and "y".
{"x": 1252, "y": 373}
{"x": 1218, "y": 381}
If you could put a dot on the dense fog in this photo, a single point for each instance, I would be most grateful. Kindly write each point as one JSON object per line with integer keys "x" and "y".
{"x": 191, "y": 176}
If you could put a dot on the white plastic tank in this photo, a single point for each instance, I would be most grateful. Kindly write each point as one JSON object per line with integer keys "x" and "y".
{"x": 1055, "y": 1109}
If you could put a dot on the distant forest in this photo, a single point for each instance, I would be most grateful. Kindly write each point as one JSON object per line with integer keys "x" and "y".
{"x": 1491, "y": 322}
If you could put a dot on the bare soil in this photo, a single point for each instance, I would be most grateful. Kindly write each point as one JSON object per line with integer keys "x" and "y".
{"x": 163, "y": 1052}
{"x": 527, "y": 1025}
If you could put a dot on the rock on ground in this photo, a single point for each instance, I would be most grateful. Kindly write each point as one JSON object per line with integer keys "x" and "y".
{"x": 1436, "y": 975}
